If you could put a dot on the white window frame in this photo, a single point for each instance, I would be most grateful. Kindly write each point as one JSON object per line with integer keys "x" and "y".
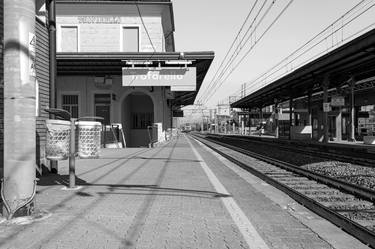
{"x": 122, "y": 35}
{"x": 60, "y": 99}
{"x": 58, "y": 33}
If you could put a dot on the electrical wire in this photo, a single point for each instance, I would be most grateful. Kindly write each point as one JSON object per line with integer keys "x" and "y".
{"x": 344, "y": 22}
{"x": 250, "y": 49}
{"x": 149, "y": 37}
{"x": 234, "y": 41}
{"x": 235, "y": 53}
{"x": 144, "y": 26}
{"x": 268, "y": 73}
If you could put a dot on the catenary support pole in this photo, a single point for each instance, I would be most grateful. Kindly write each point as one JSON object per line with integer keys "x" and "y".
{"x": 352, "y": 111}
{"x": 325, "y": 113}
{"x": 309, "y": 110}
{"x": 19, "y": 104}
{"x": 290, "y": 117}
{"x": 276, "y": 120}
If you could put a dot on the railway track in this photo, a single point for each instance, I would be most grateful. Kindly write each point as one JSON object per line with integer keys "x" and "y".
{"x": 364, "y": 158}
{"x": 349, "y": 206}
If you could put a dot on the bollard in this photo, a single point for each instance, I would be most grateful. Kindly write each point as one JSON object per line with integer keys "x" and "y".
{"x": 72, "y": 159}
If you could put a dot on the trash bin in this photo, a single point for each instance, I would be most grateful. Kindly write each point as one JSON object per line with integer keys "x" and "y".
{"x": 58, "y": 139}
{"x": 89, "y": 135}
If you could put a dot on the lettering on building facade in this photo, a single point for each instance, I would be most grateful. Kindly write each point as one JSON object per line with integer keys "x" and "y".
{"x": 99, "y": 19}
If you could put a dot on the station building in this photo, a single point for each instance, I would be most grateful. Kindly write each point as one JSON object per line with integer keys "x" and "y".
{"x": 117, "y": 60}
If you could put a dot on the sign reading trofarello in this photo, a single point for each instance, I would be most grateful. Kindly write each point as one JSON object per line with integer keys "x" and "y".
{"x": 179, "y": 79}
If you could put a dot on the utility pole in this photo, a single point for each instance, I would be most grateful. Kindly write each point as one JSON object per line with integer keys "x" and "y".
{"x": 19, "y": 106}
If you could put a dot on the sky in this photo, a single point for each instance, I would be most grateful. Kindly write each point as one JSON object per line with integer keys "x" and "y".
{"x": 212, "y": 25}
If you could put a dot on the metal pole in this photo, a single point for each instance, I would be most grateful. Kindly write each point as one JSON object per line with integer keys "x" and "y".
{"x": 276, "y": 120}
{"x": 290, "y": 117}
{"x": 325, "y": 114}
{"x": 51, "y": 6}
{"x": 309, "y": 107}
{"x": 352, "y": 112}
{"x": 72, "y": 159}
{"x": 19, "y": 103}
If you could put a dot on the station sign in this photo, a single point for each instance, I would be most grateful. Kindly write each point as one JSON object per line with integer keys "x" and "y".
{"x": 337, "y": 101}
{"x": 179, "y": 79}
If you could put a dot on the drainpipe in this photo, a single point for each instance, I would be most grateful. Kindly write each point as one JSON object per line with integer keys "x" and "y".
{"x": 51, "y": 6}
{"x": 52, "y": 51}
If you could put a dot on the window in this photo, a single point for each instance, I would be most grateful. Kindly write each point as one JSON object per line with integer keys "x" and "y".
{"x": 130, "y": 39}
{"x": 69, "y": 39}
{"x": 141, "y": 120}
{"x": 103, "y": 107}
{"x": 70, "y": 104}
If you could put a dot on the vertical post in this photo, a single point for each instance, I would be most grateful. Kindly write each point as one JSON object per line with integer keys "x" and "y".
{"x": 216, "y": 123}
{"x": 276, "y": 120}
{"x": 352, "y": 111}
{"x": 309, "y": 109}
{"x": 249, "y": 120}
{"x": 51, "y": 7}
{"x": 290, "y": 117}
{"x": 339, "y": 125}
{"x": 19, "y": 103}
{"x": 242, "y": 127}
{"x": 52, "y": 51}
{"x": 72, "y": 159}
{"x": 325, "y": 114}
{"x": 202, "y": 130}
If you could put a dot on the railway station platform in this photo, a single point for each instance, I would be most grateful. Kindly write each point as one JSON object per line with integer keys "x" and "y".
{"x": 177, "y": 195}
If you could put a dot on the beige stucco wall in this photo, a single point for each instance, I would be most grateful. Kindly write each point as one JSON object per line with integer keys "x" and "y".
{"x": 85, "y": 87}
{"x": 100, "y": 27}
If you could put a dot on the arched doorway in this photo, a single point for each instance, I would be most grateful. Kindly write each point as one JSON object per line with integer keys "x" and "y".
{"x": 137, "y": 115}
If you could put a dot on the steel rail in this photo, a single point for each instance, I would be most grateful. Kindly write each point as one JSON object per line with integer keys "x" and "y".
{"x": 362, "y": 192}
{"x": 368, "y": 162}
{"x": 353, "y": 228}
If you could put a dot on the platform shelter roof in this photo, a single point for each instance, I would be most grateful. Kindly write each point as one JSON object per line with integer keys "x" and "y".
{"x": 353, "y": 60}
{"x": 101, "y": 64}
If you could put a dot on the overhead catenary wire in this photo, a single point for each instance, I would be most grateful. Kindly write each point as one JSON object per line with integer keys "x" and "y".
{"x": 250, "y": 49}
{"x": 235, "y": 53}
{"x": 269, "y": 72}
{"x": 344, "y": 20}
{"x": 231, "y": 46}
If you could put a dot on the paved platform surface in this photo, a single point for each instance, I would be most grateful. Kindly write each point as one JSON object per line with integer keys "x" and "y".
{"x": 178, "y": 195}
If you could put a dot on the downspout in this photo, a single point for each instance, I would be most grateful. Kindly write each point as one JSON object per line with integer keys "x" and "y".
{"x": 52, "y": 62}
{"x": 52, "y": 51}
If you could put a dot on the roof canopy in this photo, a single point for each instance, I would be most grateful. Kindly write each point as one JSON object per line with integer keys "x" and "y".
{"x": 354, "y": 59}
{"x": 100, "y": 64}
